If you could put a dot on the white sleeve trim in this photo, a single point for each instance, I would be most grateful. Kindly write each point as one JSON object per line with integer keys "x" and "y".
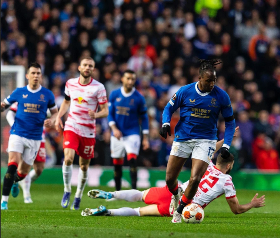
{"x": 225, "y": 145}
{"x": 111, "y": 123}
{"x": 166, "y": 123}
{"x": 54, "y": 107}
{"x": 7, "y": 102}
{"x": 172, "y": 103}
{"x": 145, "y": 131}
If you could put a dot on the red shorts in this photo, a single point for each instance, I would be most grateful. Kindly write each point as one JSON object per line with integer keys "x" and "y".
{"x": 83, "y": 146}
{"x": 41, "y": 155}
{"x": 161, "y": 197}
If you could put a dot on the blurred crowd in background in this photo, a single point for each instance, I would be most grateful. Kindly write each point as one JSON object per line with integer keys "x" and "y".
{"x": 160, "y": 40}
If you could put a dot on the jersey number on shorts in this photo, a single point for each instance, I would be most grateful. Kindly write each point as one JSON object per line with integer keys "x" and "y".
{"x": 205, "y": 179}
{"x": 88, "y": 150}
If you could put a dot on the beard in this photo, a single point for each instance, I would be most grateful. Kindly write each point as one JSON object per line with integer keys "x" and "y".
{"x": 85, "y": 76}
{"x": 228, "y": 171}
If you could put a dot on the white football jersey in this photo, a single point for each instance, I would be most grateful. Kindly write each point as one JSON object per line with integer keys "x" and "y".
{"x": 14, "y": 108}
{"x": 83, "y": 98}
{"x": 213, "y": 184}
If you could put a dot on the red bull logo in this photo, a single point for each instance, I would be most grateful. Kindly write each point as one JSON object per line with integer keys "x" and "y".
{"x": 80, "y": 100}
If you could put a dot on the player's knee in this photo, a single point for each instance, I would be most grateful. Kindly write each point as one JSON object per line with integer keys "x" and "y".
{"x": 84, "y": 167}
{"x": 68, "y": 161}
{"x": 39, "y": 171}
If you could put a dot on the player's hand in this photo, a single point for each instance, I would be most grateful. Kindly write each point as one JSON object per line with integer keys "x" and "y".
{"x": 58, "y": 124}
{"x": 164, "y": 130}
{"x": 48, "y": 123}
{"x": 3, "y": 106}
{"x": 236, "y": 130}
{"x": 117, "y": 133}
{"x": 258, "y": 202}
{"x": 91, "y": 113}
{"x": 145, "y": 143}
{"x": 224, "y": 152}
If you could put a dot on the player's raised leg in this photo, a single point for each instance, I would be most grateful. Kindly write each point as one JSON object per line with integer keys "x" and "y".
{"x": 198, "y": 169}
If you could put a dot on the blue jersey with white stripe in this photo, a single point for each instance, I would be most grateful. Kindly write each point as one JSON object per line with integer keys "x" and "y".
{"x": 199, "y": 112}
{"x": 125, "y": 110}
{"x": 31, "y": 112}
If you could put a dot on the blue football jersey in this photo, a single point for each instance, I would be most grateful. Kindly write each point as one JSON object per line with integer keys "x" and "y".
{"x": 32, "y": 111}
{"x": 125, "y": 110}
{"x": 199, "y": 112}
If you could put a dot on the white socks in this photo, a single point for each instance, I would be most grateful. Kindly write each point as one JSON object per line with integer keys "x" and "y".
{"x": 26, "y": 183}
{"x": 125, "y": 211}
{"x": 4, "y": 198}
{"x": 67, "y": 174}
{"x": 129, "y": 195}
{"x": 82, "y": 179}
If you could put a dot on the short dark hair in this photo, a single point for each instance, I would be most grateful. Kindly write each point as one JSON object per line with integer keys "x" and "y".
{"x": 207, "y": 65}
{"x": 222, "y": 161}
{"x": 129, "y": 71}
{"x": 34, "y": 65}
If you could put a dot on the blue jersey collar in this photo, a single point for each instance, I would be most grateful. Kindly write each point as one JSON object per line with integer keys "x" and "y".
{"x": 127, "y": 94}
{"x": 33, "y": 91}
{"x": 199, "y": 92}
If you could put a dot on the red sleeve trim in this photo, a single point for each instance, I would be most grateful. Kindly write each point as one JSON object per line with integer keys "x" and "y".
{"x": 231, "y": 197}
{"x": 12, "y": 109}
{"x": 102, "y": 102}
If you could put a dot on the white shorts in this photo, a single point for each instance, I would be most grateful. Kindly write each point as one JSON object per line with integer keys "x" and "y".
{"x": 129, "y": 144}
{"x": 27, "y": 147}
{"x": 201, "y": 149}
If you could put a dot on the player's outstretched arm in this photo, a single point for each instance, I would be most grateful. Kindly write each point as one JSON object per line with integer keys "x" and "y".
{"x": 236, "y": 208}
{"x": 63, "y": 109}
{"x": 221, "y": 142}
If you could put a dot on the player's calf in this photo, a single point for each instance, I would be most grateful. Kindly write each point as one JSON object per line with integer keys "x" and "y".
{"x": 133, "y": 169}
{"x": 9, "y": 179}
{"x": 118, "y": 173}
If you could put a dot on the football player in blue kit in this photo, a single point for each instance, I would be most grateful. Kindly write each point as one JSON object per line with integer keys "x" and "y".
{"x": 126, "y": 107}
{"x": 200, "y": 104}
{"x": 26, "y": 132}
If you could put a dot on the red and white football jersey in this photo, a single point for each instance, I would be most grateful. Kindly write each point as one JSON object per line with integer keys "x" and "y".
{"x": 213, "y": 184}
{"x": 14, "y": 108}
{"x": 83, "y": 98}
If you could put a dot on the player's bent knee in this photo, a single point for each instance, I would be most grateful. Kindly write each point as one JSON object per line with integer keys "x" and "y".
{"x": 68, "y": 161}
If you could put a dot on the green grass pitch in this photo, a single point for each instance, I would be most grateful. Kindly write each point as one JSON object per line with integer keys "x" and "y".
{"x": 46, "y": 218}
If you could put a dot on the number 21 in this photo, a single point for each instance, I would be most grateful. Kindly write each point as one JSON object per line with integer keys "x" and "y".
{"x": 88, "y": 149}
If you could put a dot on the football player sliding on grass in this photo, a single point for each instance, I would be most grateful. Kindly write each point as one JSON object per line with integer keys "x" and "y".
{"x": 215, "y": 182}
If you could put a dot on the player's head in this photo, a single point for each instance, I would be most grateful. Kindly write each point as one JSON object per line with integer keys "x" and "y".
{"x": 86, "y": 67}
{"x": 129, "y": 79}
{"x": 225, "y": 164}
{"x": 207, "y": 74}
{"x": 34, "y": 74}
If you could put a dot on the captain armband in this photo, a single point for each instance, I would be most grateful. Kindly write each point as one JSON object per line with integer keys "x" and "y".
{"x": 67, "y": 98}
{"x": 227, "y": 119}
